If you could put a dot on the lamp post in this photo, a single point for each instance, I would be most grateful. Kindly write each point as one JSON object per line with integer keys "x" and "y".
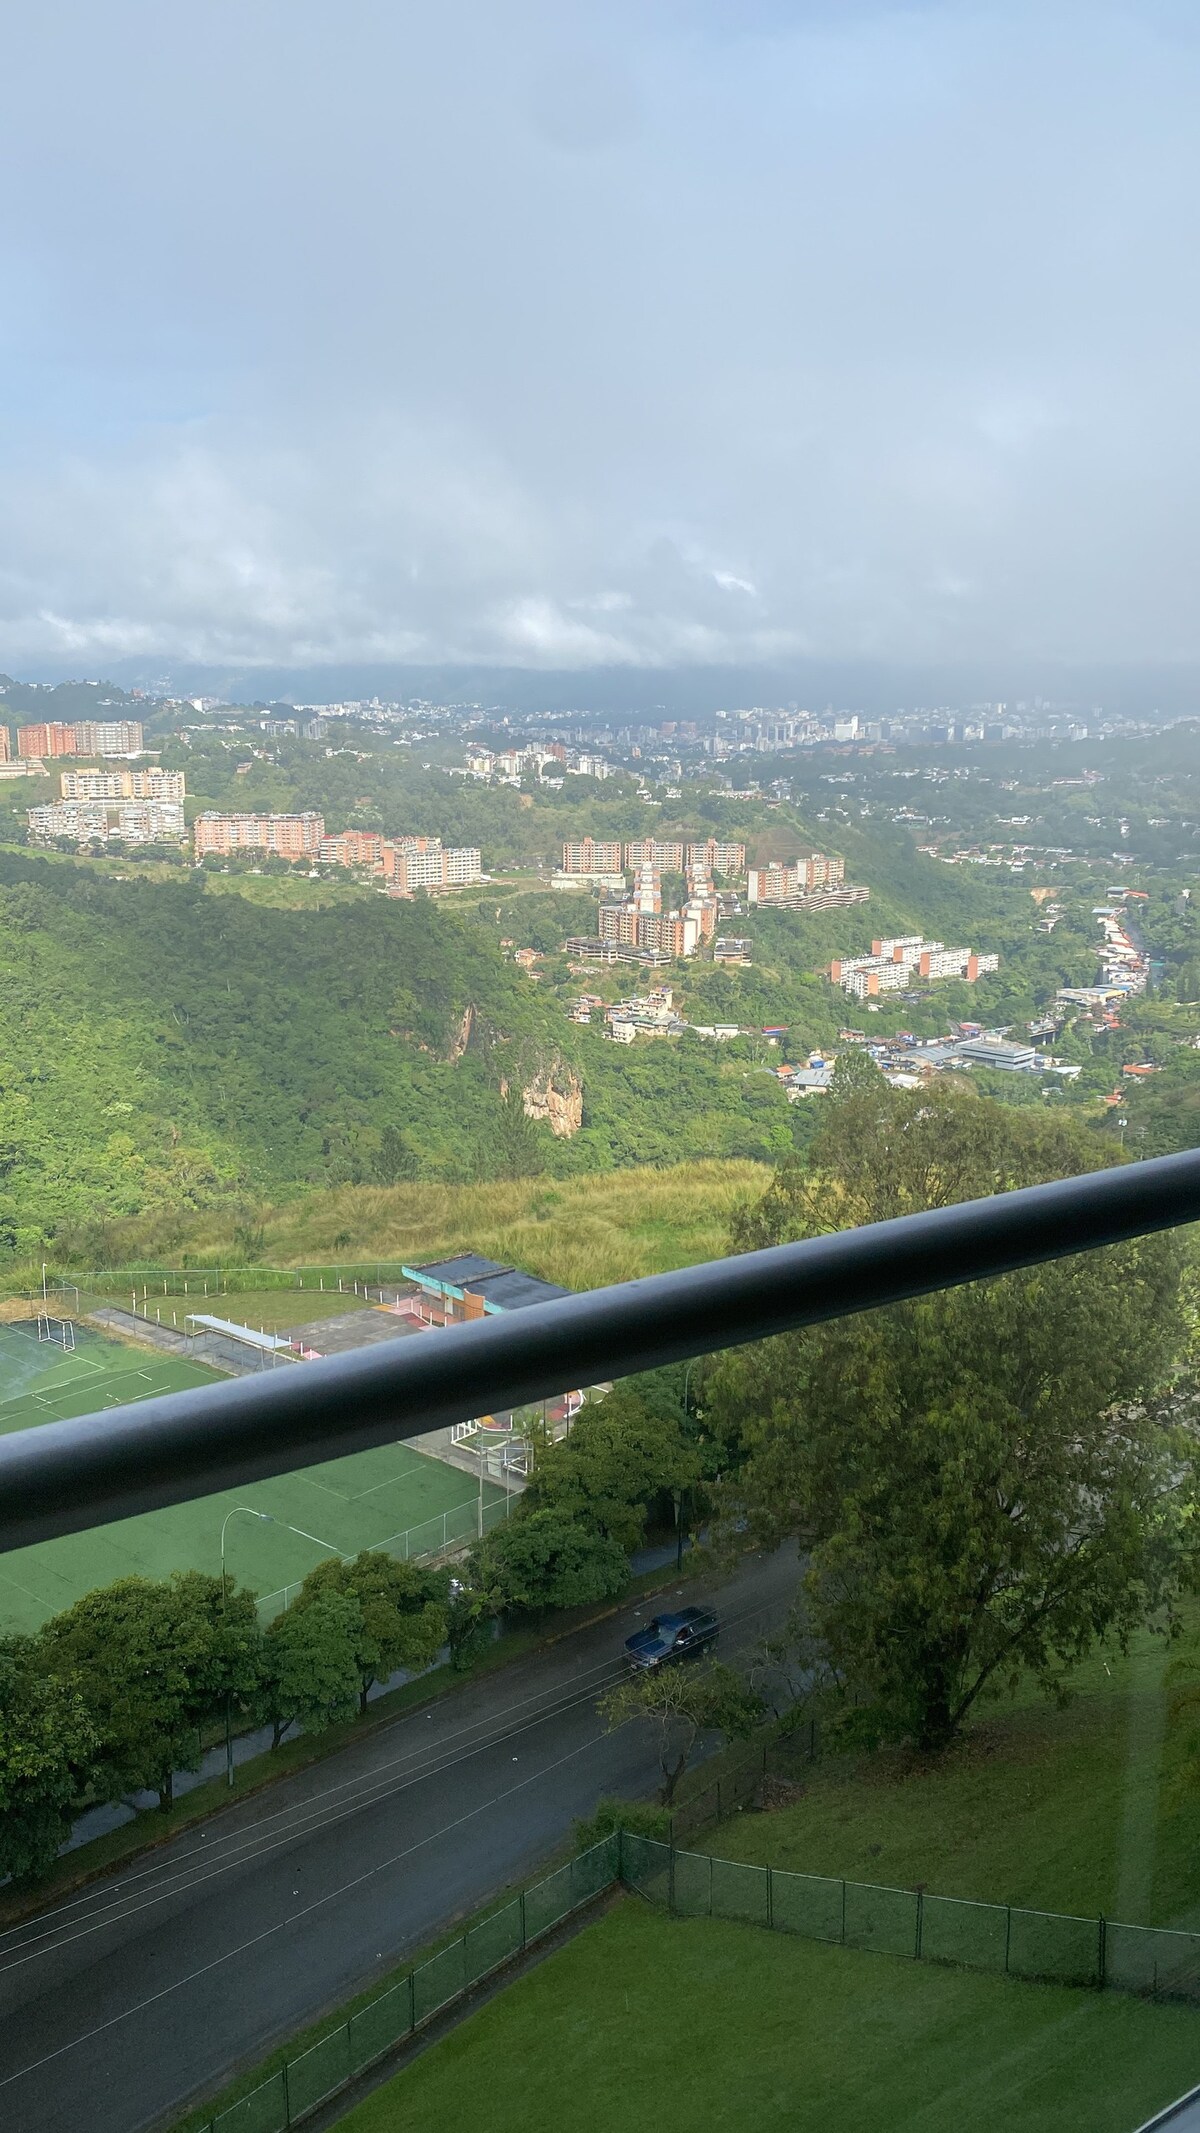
{"x": 266, "y": 1519}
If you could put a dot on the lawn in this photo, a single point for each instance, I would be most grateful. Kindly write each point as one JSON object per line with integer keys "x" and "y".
{"x": 344, "y": 1504}
{"x": 1083, "y": 1810}
{"x": 700, "y": 2026}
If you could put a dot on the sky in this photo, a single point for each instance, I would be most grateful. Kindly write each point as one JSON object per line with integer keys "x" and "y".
{"x": 579, "y": 336}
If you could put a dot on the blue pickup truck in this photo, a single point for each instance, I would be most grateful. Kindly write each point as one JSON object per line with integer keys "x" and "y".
{"x": 671, "y": 1637}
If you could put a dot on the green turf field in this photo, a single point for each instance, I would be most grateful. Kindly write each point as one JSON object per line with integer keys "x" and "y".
{"x": 347, "y": 1504}
{"x": 700, "y": 2026}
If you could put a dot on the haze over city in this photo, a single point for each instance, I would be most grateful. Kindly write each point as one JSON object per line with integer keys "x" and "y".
{"x": 578, "y": 338}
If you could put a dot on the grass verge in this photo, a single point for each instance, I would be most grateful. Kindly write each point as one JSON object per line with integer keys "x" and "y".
{"x": 1087, "y": 1809}
{"x": 709, "y": 2027}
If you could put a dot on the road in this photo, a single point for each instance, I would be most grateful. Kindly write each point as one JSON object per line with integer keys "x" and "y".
{"x": 121, "y": 2004}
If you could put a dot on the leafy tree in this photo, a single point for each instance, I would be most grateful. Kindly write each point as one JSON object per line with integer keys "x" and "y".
{"x": 312, "y": 1665}
{"x": 984, "y": 1479}
{"x": 680, "y": 1703}
{"x": 396, "y": 1159}
{"x": 154, "y": 1663}
{"x": 510, "y": 1145}
{"x": 402, "y": 1608}
{"x": 48, "y": 1746}
{"x": 854, "y": 1074}
{"x": 540, "y": 1559}
{"x": 619, "y": 1456}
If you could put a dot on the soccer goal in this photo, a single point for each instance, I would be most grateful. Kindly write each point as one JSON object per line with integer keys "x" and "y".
{"x": 59, "y": 1330}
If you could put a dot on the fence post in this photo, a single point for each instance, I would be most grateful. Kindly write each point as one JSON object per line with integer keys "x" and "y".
{"x": 287, "y": 2098}
{"x": 920, "y": 1922}
{"x": 522, "y": 1921}
{"x": 710, "y": 1868}
{"x": 671, "y": 1882}
{"x": 770, "y": 1900}
{"x": 621, "y": 1850}
{"x": 843, "y": 1910}
{"x": 412, "y": 2001}
{"x": 1007, "y": 1932}
{"x": 1102, "y": 1952}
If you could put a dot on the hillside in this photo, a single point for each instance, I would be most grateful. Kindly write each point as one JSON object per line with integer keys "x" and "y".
{"x": 169, "y": 1047}
{"x": 582, "y": 1231}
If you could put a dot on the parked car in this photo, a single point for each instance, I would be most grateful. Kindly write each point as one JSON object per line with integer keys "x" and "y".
{"x": 671, "y": 1637}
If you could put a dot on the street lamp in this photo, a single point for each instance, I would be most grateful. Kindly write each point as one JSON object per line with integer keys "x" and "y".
{"x": 267, "y": 1520}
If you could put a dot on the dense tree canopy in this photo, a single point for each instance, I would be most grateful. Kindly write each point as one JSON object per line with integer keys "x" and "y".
{"x": 987, "y": 1479}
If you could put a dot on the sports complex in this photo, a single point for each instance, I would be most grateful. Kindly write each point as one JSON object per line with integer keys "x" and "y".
{"x": 391, "y": 1497}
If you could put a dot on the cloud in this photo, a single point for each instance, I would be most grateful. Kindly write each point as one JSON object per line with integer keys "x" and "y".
{"x": 581, "y": 336}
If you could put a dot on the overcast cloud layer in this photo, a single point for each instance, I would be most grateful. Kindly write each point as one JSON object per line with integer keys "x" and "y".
{"x": 567, "y": 336}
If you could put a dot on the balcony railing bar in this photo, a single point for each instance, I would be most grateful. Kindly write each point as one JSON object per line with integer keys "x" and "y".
{"x": 66, "y": 1476}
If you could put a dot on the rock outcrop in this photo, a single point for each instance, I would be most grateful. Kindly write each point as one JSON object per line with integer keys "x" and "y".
{"x": 555, "y": 1096}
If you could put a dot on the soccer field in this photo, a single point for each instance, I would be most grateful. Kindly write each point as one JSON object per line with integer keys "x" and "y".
{"x": 343, "y": 1505}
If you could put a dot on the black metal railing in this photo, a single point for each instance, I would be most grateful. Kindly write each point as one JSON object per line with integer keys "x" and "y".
{"x": 66, "y": 1476}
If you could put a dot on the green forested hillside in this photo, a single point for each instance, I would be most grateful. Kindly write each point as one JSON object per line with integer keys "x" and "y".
{"x": 164, "y": 1045}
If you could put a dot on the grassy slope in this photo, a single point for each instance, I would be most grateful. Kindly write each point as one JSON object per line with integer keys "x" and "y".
{"x": 706, "y": 2027}
{"x": 580, "y": 1231}
{"x": 1081, "y": 1810}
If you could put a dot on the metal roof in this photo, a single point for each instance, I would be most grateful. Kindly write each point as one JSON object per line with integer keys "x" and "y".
{"x": 506, "y": 1288}
{"x": 245, "y": 1334}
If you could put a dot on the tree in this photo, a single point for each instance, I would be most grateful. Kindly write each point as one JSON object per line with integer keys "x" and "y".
{"x": 403, "y": 1611}
{"x": 988, "y": 1480}
{"x": 680, "y": 1703}
{"x": 854, "y": 1074}
{"x": 396, "y": 1159}
{"x": 619, "y": 1456}
{"x": 312, "y": 1665}
{"x": 510, "y": 1145}
{"x": 48, "y": 1746}
{"x": 154, "y": 1663}
{"x": 539, "y": 1559}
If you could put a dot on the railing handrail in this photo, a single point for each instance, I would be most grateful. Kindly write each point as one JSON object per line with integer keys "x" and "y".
{"x": 63, "y": 1477}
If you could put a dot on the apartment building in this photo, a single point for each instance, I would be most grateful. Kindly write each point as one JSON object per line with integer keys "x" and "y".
{"x": 411, "y": 863}
{"x": 85, "y": 737}
{"x": 47, "y": 739}
{"x": 122, "y": 784}
{"x": 4, "y": 744}
{"x": 592, "y": 855}
{"x": 796, "y": 880}
{"x": 894, "y": 964}
{"x": 353, "y": 848}
{"x": 131, "y": 821}
{"x": 717, "y": 856}
{"x": 288, "y": 836}
{"x": 664, "y": 854}
{"x": 119, "y": 736}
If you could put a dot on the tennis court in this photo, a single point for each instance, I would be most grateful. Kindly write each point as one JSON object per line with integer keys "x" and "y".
{"x": 345, "y": 1504}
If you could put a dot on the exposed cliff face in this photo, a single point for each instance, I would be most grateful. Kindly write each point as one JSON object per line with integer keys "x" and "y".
{"x": 462, "y": 1035}
{"x": 555, "y": 1095}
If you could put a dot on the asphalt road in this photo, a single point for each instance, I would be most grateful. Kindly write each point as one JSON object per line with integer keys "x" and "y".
{"x": 120, "y": 2005}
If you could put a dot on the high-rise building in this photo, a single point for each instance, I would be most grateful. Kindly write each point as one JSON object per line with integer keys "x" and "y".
{"x": 289, "y": 836}
{"x": 49, "y": 739}
{"x": 666, "y": 854}
{"x": 121, "y": 736}
{"x": 592, "y": 855}
{"x": 3, "y": 744}
{"x": 153, "y": 784}
{"x": 353, "y": 848}
{"x": 132, "y": 821}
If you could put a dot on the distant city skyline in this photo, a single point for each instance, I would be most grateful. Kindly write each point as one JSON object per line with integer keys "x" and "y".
{"x": 710, "y": 336}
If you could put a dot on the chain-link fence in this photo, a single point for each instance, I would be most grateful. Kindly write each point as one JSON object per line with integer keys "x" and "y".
{"x": 1049, "y": 1946}
{"x": 300, "y": 2084}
